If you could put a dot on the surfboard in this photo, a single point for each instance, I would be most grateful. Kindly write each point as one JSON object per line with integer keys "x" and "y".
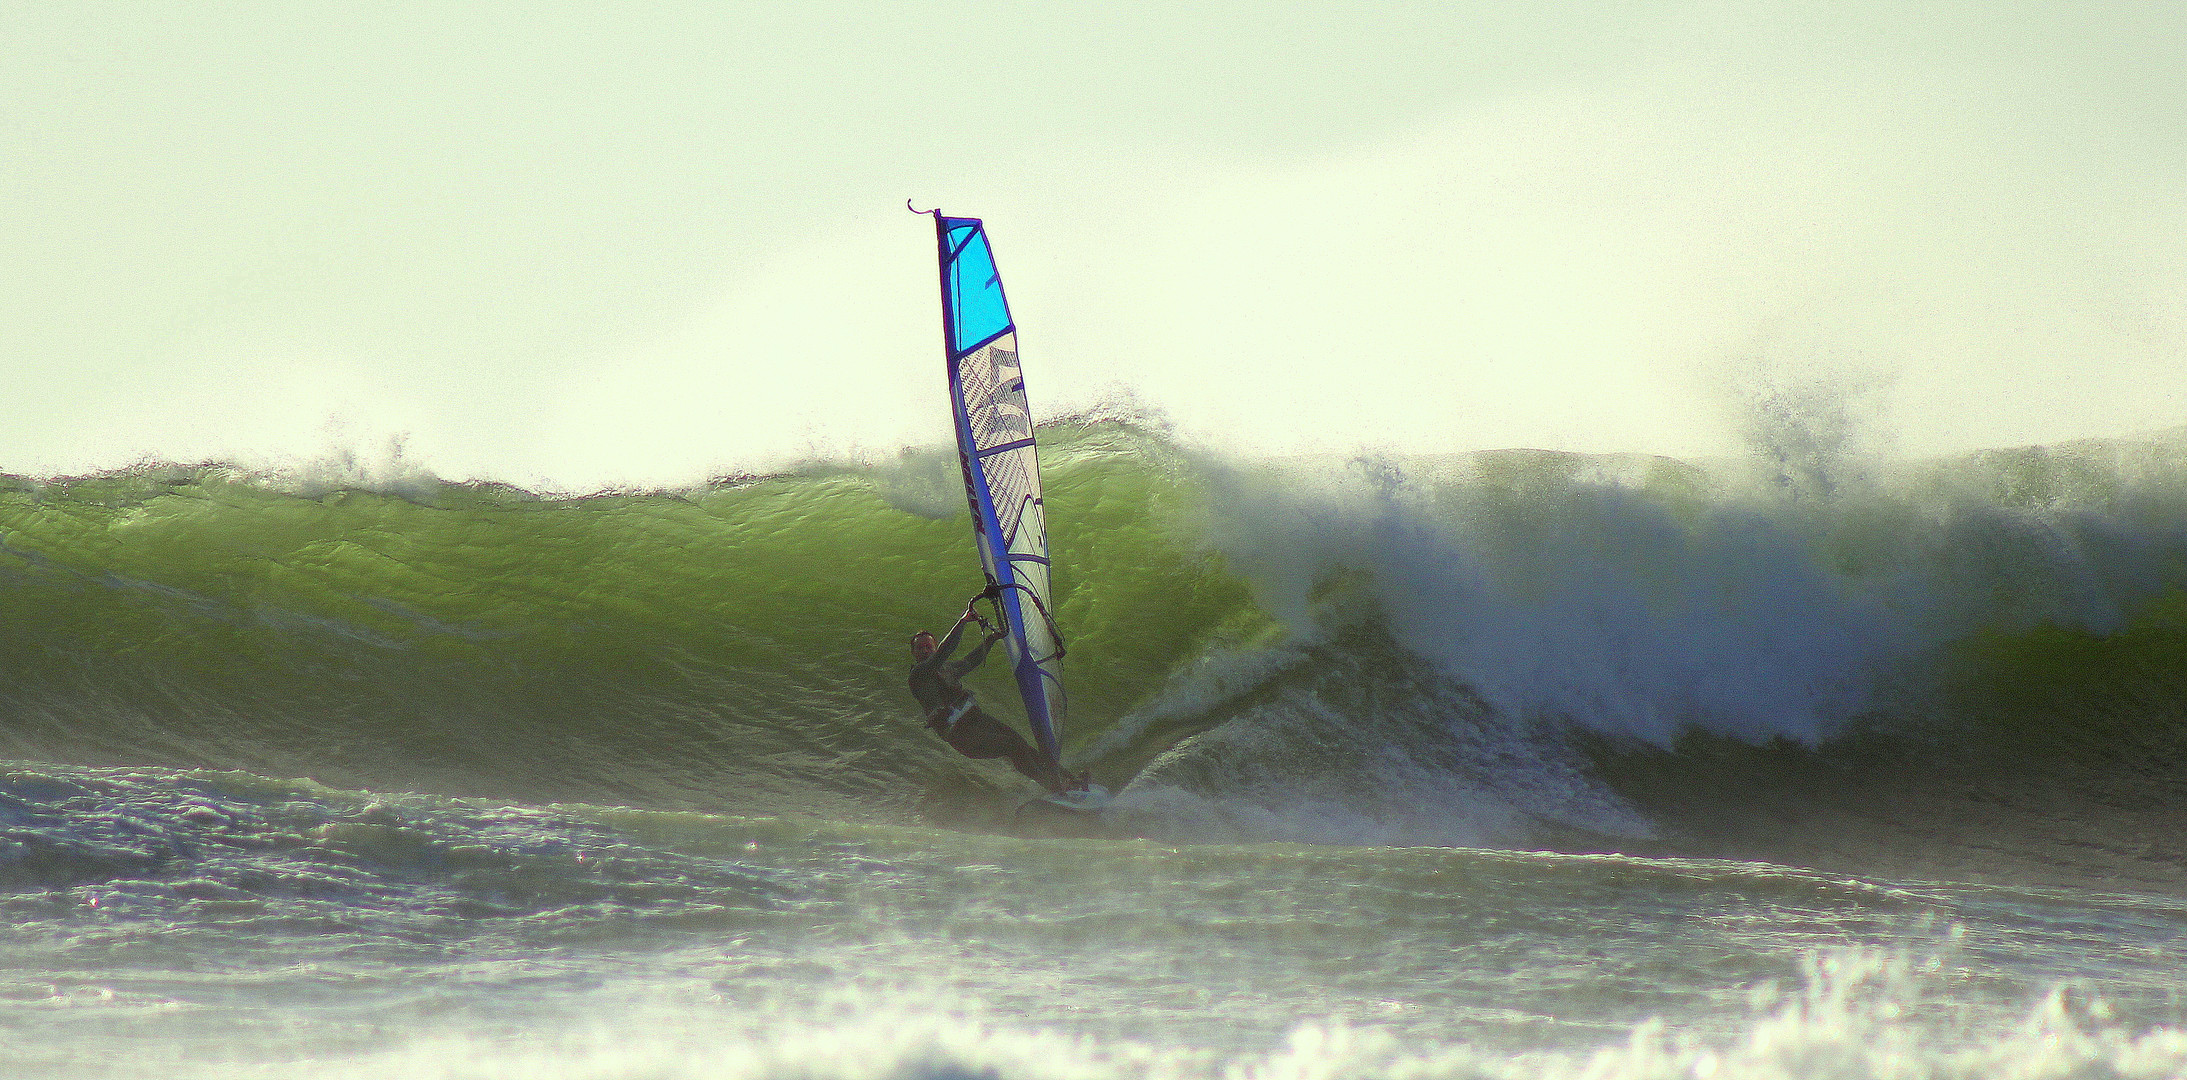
{"x": 1091, "y": 798}
{"x": 1001, "y": 462}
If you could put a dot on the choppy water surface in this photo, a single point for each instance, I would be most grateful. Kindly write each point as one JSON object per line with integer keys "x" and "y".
{"x": 218, "y": 921}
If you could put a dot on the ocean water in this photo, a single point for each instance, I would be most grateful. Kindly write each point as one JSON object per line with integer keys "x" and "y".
{"x": 1512, "y": 764}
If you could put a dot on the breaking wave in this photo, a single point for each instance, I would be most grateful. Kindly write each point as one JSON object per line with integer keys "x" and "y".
{"x": 1483, "y": 648}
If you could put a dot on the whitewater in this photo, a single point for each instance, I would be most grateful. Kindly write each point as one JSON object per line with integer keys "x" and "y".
{"x": 1487, "y": 764}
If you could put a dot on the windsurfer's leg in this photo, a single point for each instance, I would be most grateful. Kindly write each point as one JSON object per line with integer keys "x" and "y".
{"x": 1036, "y": 768}
{"x": 978, "y": 735}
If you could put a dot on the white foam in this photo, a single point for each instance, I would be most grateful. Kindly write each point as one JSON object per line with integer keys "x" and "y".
{"x": 1856, "y": 1015}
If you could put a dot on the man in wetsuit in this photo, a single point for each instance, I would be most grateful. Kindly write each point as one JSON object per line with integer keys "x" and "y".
{"x": 958, "y": 719}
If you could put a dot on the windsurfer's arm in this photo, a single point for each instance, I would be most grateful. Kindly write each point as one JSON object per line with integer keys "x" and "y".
{"x": 974, "y": 658}
{"x": 949, "y": 641}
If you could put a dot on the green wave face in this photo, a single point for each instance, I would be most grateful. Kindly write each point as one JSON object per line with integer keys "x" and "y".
{"x": 740, "y": 646}
{"x": 2115, "y": 700}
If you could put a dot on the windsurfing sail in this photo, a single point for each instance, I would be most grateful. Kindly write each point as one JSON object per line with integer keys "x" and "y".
{"x": 1001, "y": 466}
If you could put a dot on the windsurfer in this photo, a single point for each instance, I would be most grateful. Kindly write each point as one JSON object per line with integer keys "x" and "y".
{"x": 956, "y": 716}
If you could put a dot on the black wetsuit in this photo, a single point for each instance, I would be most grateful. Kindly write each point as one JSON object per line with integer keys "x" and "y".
{"x": 935, "y": 682}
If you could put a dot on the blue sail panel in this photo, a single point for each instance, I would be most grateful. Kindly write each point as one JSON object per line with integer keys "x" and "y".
{"x": 995, "y": 445}
{"x": 975, "y": 309}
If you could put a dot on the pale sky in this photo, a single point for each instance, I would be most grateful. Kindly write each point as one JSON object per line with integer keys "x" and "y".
{"x": 576, "y": 245}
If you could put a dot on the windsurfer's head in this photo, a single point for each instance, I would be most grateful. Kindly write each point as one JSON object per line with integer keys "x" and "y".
{"x": 922, "y": 645}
